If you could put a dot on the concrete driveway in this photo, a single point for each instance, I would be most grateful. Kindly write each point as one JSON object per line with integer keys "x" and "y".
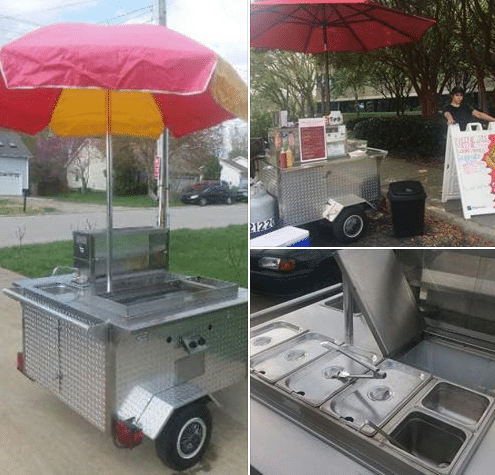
{"x": 59, "y": 225}
{"x": 39, "y": 435}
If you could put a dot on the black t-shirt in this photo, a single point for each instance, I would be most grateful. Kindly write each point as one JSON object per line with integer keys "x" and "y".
{"x": 462, "y": 114}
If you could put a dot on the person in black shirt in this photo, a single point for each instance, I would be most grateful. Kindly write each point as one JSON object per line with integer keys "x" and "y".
{"x": 458, "y": 112}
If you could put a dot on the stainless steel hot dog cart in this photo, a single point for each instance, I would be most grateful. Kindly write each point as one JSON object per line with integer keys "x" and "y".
{"x": 390, "y": 372}
{"x": 143, "y": 359}
{"x": 338, "y": 187}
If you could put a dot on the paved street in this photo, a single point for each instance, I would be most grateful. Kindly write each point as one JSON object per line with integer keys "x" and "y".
{"x": 59, "y": 226}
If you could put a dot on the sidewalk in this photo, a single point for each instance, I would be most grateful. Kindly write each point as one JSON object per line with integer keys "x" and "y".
{"x": 394, "y": 169}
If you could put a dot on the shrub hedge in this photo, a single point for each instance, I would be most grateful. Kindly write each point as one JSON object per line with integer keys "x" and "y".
{"x": 411, "y": 135}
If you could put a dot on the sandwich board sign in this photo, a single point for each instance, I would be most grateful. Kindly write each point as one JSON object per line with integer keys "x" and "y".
{"x": 469, "y": 169}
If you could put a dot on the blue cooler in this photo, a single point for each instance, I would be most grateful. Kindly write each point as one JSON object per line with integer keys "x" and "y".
{"x": 284, "y": 237}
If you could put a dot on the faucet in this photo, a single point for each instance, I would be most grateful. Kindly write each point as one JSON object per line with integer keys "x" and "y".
{"x": 74, "y": 269}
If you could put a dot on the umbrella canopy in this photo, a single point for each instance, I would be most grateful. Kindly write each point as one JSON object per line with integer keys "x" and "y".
{"x": 64, "y": 76}
{"x": 91, "y": 80}
{"x": 317, "y": 26}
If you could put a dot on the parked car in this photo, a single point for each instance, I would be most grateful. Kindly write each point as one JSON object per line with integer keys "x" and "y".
{"x": 241, "y": 193}
{"x": 293, "y": 272}
{"x": 208, "y": 192}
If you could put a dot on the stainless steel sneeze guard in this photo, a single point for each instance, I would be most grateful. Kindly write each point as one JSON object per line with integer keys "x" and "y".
{"x": 414, "y": 420}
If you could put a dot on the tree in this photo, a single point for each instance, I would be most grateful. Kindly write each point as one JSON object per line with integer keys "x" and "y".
{"x": 285, "y": 81}
{"x": 477, "y": 21}
{"x": 191, "y": 152}
{"x": 351, "y": 71}
{"x": 48, "y": 168}
{"x": 238, "y": 141}
{"x": 212, "y": 169}
{"x": 431, "y": 62}
{"x": 392, "y": 83}
{"x": 81, "y": 159}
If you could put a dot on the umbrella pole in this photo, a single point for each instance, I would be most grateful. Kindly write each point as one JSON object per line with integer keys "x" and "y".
{"x": 326, "y": 110}
{"x": 163, "y": 181}
{"x": 108, "y": 106}
{"x": 327, "y": 85}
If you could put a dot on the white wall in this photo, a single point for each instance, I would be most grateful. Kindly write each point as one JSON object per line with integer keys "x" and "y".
{"x": 14, "y": 175}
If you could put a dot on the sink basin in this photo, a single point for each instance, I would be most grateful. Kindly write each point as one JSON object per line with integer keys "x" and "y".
{"x": 456, "y": 403}
{"x": 56, "y": 289}
{"x": 429, "y": 439}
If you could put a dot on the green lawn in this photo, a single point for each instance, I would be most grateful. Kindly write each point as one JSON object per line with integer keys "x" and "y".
{"x": 15, "y": 207}
{"x": 221, "y": 253}
{"x": 100, "y": 197}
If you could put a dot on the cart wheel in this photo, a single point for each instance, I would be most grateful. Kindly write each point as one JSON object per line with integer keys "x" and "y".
{"x": 185, "y": 437}
{"x": 203, "y": 202}
{"x": 350, "y": 224}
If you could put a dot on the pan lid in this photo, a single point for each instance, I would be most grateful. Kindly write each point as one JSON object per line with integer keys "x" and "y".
{"x": 380, "y": 288}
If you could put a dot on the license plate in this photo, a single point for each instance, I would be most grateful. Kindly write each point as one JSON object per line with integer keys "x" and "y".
{"x": 260, "y": 226}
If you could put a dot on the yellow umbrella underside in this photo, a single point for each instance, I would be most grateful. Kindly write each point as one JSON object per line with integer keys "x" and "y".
{"x": 83, "y": 112}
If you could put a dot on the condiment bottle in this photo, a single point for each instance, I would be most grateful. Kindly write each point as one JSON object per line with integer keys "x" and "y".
{"x": 289, "y": 158}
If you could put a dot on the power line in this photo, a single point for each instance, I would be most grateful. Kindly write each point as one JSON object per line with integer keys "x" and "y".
{"x": 65, "y": 5}
{"x": 20, "y": 20}
{"x": 149, "y": 7}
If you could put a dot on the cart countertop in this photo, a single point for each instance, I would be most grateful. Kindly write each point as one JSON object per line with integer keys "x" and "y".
{"x": 370, "y": 153}
{"x": 131, "y": 309}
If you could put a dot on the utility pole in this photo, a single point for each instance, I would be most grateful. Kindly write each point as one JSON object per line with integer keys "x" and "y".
{"x": 162, "y": 148}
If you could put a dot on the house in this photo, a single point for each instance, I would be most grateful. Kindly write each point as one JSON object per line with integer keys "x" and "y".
{"x": 234, "y": 171}
{"x": 14, "y": 164}
{"x": 88, "y": 165}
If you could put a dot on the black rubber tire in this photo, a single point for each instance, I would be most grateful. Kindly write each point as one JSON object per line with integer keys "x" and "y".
{"x": 186, "y": 436}
{"x": 203, "y": 202}
{"x": 350, "y": 224}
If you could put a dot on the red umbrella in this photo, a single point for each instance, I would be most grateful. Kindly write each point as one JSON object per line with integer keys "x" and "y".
{"x": 317, "y": 26}
{"x": 91, "y": 80}
{"x": 59, "y": 77}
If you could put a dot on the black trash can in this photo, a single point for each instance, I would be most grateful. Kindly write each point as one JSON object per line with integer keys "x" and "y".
{"x": 407, "y": 201}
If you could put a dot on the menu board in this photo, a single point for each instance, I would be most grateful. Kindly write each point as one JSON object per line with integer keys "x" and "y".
{"x": 312, "y": 139}
{"x": 472, "y": 155}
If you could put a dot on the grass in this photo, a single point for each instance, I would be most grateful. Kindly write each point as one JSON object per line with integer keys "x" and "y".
{"x": 14, "y": 207}
{"x": 100, "y": 197}
{"x": 220, "y": 253}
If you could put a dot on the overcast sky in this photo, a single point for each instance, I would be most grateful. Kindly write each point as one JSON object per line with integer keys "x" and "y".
{"x": 218, "y": 24}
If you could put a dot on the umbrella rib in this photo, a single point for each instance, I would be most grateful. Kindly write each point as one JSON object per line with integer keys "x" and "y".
{"x": 314, "y": 24}
{"x": 279, "y": 20}
{"x": 367, "y": 11}
{"x": 345, "y": 24}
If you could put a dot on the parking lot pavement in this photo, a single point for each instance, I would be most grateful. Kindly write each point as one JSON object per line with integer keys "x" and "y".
{"x": 40, "y": 435}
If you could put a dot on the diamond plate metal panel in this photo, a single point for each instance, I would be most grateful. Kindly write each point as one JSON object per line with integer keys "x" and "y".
{"x": 82, "y": 369}
{"x": 148, "y": 358}
{"x": 41, "y": 348}
{"x": 268, "y": 175}
{"x": 302, "y": 194}
{"x": 68, "y": 361}
{"x": 303, "y": 191}
{"x": 358, "y": 177}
